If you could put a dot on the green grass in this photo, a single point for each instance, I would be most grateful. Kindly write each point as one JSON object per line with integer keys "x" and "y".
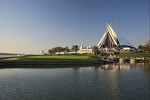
{"x": 48, "y": 58}
{"x": 134, "y": 54}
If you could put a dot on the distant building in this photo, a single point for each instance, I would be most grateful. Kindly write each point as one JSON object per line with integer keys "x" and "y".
{"x": 87, "y": 50}
{"x": 61, "y": 53}
{"x": 109, "y": 39}
{"x": 128, "y": 48}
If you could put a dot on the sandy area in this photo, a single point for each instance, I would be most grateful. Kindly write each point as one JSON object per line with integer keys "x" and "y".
{"x": 10, "y": 58}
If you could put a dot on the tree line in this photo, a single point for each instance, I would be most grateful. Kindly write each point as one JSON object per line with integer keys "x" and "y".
{"x": 58, "y": 49}
{"x": 145, "y": 48}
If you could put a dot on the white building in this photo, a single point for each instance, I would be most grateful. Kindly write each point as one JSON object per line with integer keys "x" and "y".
{"x": 87, "y": 50}
{"x": 109, "y": 39}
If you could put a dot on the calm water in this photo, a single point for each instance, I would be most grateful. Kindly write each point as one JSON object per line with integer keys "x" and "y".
{"x": 9, "y": 55}
{"x": 106, "y": 82}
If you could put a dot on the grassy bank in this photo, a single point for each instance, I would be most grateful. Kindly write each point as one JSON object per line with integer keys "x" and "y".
{"x": 42, "y": 61}
{"x": 134, "y": 54}
{"x": 49, "y": 58}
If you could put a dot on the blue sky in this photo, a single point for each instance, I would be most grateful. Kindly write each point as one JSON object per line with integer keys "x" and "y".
{"x": 30, "y": 26}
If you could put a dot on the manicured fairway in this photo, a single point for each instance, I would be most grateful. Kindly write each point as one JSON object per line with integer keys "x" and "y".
{"x": 41, "y": 61}
{"x": 58, "y": 58}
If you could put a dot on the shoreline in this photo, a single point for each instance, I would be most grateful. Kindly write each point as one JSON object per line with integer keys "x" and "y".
{"x": 57, "y": 64}
{"x": 39, "y": 64}
{"x": 43, "y": 62}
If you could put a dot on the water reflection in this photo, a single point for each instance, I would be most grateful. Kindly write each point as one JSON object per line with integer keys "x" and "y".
{"x": 105, "y": 82}
{"x": 110, "y": 67}
{"x": 144, "y": 66}
{"x": 124, "y": 66}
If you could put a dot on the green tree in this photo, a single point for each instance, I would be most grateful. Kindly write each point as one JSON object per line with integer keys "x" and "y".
{"x": 96, "y": 50}
{"x": 140, "y": 47}
{"x": 75, "y": 48}
{"x": 147, "y": 44}
{"x": 55, "y": 49}
{"x": 58, "y": 49}
{"x": 66, "y": 49}
{"x": 146, "y": 47}
{"x": 51, "y": 51}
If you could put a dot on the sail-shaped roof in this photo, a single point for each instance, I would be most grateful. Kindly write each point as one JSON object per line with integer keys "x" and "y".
{"x": 109, "y": 39}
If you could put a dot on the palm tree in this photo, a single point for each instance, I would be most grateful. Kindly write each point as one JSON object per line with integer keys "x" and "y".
{"x": 147, "y": 43}
{"x": 96, "y": 50}
{"x": 140, "y": 47}
{"x": 146, "y": 47}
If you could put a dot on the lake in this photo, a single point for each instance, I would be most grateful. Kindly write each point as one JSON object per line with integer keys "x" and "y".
{"x": 9, "y": 55}
{"x": 105, "y": 82}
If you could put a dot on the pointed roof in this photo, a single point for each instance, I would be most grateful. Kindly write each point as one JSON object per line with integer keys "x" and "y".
{"x": 109, "y": 39}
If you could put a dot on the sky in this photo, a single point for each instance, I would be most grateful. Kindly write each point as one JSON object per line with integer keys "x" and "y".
{"x": 30, "y": 26}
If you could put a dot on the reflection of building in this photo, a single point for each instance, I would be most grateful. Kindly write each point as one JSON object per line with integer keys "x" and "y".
{"x": 109, "y": 67}
{"x": 114, "y": 67}
{"x": 109, "y": 38}
{"x": 124, "y": 66}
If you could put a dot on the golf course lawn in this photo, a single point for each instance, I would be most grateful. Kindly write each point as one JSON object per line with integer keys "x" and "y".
{"x": 49, "y": 58}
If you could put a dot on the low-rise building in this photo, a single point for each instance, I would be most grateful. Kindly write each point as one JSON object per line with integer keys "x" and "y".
{"x": 87, "y": 50}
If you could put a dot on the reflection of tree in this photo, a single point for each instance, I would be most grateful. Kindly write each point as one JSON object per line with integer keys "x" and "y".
{"x": 76, "y": 68}
{"x": 132, "y": 65}
{"x": 145, "y": 66}
{"x": 96, "y": 67}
